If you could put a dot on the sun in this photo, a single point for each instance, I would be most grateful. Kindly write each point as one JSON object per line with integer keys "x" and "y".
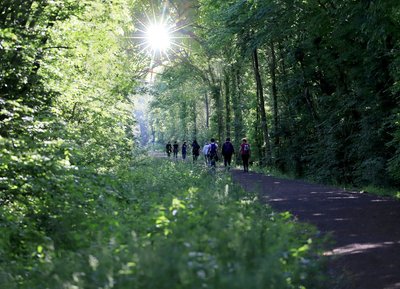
{"x": 158, "y": 37}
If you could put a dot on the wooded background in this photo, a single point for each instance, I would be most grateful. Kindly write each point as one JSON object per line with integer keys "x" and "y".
{"x": 313, "y": 85}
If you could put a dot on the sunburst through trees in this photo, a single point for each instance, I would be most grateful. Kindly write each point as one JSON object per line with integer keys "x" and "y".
{"x": 159, "y": 37}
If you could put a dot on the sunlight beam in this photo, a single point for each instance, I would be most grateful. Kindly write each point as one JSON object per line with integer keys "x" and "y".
{"x": 158, "y": 37}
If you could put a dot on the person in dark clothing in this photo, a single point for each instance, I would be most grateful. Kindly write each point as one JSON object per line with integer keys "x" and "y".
{"x": 176, "y": 149}
{"x": 245, "y": 153}
{"x": 195, "y": 150}
{"x": 168, "y": 149}
{"x": 213, "y": 153}
{"x": 227, "y": 152}
{"x": 184, "y": 150}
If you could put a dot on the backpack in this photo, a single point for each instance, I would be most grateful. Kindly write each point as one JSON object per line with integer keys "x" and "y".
{"x": 246, "y": 149}
{"x": 227, "y": 148}
{"x": 212, "y": 151}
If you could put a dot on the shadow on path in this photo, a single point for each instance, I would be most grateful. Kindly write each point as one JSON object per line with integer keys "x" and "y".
{"x": 365, "y": 228}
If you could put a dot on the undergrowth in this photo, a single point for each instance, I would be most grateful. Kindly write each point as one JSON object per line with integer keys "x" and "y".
{"x": 385, "y": 192}
{"x": 160, "y": 224}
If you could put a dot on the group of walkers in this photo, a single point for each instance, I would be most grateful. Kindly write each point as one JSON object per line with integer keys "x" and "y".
{"x": 210, "y": 152}
{"x": 174, "y": 149}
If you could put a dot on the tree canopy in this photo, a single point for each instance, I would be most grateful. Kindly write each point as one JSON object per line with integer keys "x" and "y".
{"x": 312, "y": 84}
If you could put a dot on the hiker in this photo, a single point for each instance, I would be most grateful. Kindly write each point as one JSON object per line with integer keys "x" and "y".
{"x": 205, "y": 152}
{"x": 168, "y": 149}
{"x": 195, "y": 150}
{"x": 213, "y": 153}
{"x": 175, "y": 150}
{"x": 245, "y": 153}
{"x": 184, "y": 150}
{"x": 227, "y": 152}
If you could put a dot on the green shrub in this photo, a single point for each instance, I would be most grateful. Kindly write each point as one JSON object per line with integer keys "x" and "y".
{"x": 159, "y": 225}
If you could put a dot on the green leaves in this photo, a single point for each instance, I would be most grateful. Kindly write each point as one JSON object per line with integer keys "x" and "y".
{"x": 65, "y": 115}
{"x": 159, "y": 224}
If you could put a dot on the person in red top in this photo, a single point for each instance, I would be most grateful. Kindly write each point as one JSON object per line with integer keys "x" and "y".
{"x": 245, "y": 153}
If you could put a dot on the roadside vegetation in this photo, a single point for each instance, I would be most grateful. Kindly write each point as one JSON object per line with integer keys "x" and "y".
{"x": 82, "y": 206}
{"x": 157, "y": 224}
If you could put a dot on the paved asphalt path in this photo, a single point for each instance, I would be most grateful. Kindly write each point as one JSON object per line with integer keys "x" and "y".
{"x": 365, "y": 228}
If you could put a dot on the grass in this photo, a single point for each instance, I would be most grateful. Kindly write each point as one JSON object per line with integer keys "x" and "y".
{"x": 161, "y": 224}
{"x": 384, "y": 192}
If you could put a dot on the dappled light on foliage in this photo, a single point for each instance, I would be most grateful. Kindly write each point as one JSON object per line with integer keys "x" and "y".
{"x": 158, "y": 227}
{"x": 313, "y": 86}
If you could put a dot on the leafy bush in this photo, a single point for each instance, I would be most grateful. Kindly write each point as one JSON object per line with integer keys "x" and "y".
{"x": 161, "y": 224}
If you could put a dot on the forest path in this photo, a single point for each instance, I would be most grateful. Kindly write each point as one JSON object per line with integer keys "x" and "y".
{"x": 365, "y": 228}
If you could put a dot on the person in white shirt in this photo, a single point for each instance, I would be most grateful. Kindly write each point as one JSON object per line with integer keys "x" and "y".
{"x": 205, "y": 152}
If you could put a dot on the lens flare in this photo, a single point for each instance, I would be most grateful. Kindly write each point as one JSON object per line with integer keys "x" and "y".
{"x": 158, "y": 37}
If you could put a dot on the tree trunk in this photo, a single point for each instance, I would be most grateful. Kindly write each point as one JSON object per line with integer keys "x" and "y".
{"x": 237, "y": 108}
{"x": 259, "y": 139}
{"x": 261, "y": 105}
{"x": 183, "y": 118}
{"x": 219, "y": 110}
{"x": 227, "y": 83}
{"x": 207, "y": 107}
{"x": 307, "y": 94}
{"x": 274, "y": 93}
{"x": 153, "y": 134}
{"x": 194, "y": 120}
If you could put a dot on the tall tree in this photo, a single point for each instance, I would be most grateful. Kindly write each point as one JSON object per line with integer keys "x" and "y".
{"x": 261, "y": 108}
